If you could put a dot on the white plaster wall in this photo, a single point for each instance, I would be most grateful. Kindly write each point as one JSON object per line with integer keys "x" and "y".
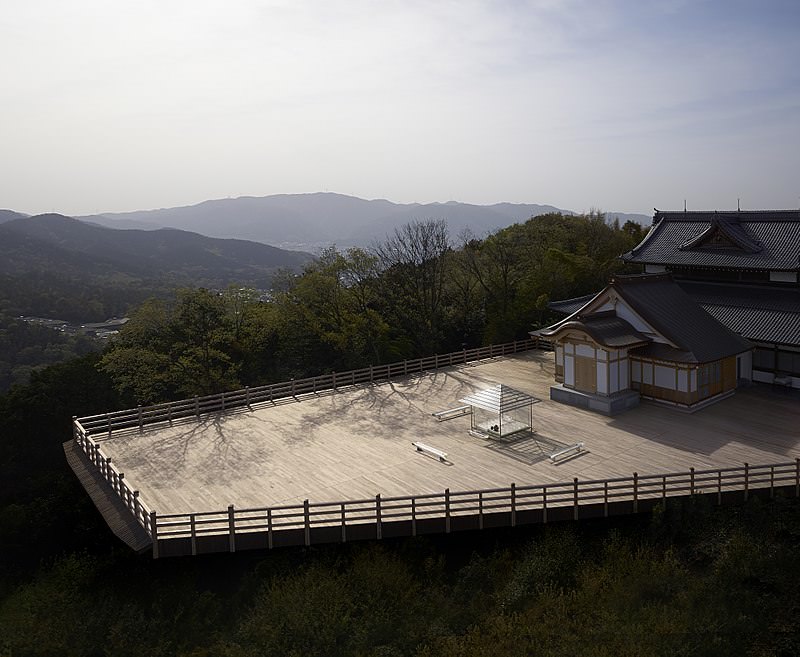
{"x": 636, "y": 371}
{"x": 602, "y": 354}
{"x": 624, "y": 312}
{"x": 693, "y": 381}
{"x": 602, "y": 369}
{"x": 624, "y": 382}
{"x": 569, "y": 370}
{"x": 783, "y": 276}
{"x": 665, "y": 377}
{"x": 647, "y": 373}
{"x": 744, "y": 365}
{"x": 683, "y": 381}
{"x": 584, "y": 350}
{"x": 614, "y": 377}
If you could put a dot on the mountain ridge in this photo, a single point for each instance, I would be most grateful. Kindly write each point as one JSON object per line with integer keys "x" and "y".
{"x": 320, "y": 218}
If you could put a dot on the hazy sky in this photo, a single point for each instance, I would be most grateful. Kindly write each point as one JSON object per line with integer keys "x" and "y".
{"x": 622, "y": 105}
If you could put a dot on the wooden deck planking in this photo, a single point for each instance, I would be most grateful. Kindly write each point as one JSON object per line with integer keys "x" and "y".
{"x": 357, "y": 442}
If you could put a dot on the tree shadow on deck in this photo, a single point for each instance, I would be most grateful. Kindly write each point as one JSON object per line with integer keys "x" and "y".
{"x": 756, "y": 417}
{"x": 527, "y": 447}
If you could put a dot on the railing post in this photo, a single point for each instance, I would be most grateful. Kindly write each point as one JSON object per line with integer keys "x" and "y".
{"x": 139, "y": 412}
{"x": 413, "y": 516}
{"x": 719, "y": 487}
{"x": 196, "y": 406}
{"x": 269, "y": 528}
{"x": 636, "y": 492}
{"x": 108, "y": 421}
{"x": 605, "y": 499}
{"x": 247, "y": 396}
{"x": 136, "y": 505}
{"x": 435, "y": 361}
{"x": 194, "y": 533}
{"x": 664, "y": 489}
{"x": 480, "y": 510}
{"x": 75, "y": 429}
{"x": 377, "y": 514}
{"x": 154, "y": 533}
{"x": 231, "y": 529}
{"x": 169, "y": 413}
{"x": 307, "y": 522}
{"x": 344, "y": 524}
{"x": 371, "y": 374}
{"x": 334, "y": 381}
{"x": 746, "y": 482}
{"x": 446, "y": 510}
{"x": 405, "y": 367}
{"x": 575, "y": 498}
{"x": 691, "y": 482}
{"x": 797, "y": 477}
{"x": 513, "y": 504}
{"x": 293, "y": 388}
{"x": 222, "y": 398}
{"x": 544, "y": 504}
{"x": 771, "y": 481}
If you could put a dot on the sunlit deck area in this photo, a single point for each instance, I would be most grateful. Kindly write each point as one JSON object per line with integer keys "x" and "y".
{"x": 357, "y": 442}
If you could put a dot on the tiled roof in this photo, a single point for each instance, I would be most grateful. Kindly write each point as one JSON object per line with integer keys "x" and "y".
{"x": 768, "y": 240}
{"x": 673, "y": 313}
{"x": 569, "y": 306}
{"x": 605, "y": 328}
{"x": 761, "y": 314}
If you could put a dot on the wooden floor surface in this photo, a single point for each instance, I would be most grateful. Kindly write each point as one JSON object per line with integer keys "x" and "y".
{"x": 356, "y": 442}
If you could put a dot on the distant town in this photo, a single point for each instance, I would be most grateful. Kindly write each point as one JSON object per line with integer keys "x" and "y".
{"x": 101, "y": 330}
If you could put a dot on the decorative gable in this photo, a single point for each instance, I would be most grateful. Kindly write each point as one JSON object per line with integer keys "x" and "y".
{"x": 723, "y": 235}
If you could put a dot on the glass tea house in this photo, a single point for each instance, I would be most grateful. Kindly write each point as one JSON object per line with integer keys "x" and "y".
{"x": 500, "y": 411}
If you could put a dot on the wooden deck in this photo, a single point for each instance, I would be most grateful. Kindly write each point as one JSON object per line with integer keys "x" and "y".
{"x": 356, "y": 443}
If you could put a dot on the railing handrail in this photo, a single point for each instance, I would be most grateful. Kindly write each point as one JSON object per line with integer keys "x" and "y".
{"x": 166, "y": 412}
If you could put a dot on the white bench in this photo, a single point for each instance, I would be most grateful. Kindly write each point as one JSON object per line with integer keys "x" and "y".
{"x": 439, "y": 454}
{"x": 564, "y": 452}
{"x": 452, "y": 413}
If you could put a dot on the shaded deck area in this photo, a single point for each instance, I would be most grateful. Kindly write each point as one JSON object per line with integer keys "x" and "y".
{"x": 107, "y": 502}
{"x": 355, "y": 443}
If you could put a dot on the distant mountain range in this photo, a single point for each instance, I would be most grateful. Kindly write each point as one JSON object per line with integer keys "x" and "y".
{"x": 308, "y": 221}
{"x": 79, "y": 250}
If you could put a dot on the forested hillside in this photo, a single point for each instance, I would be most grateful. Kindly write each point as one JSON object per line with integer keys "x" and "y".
{"x": 691, "y": 579}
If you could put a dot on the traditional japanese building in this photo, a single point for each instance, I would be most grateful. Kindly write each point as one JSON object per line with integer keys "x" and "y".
{"x": 742, "y": 267}
{"x": 643, "y": 336}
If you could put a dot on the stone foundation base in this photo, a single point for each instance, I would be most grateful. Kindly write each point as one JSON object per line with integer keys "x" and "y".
{"x": 605, "y": 404}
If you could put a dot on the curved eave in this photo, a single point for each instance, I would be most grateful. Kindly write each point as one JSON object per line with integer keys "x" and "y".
{"x": 633, "y": 341}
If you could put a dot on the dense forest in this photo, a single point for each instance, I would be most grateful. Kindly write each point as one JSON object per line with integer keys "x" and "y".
{"x": 689, "y": 579}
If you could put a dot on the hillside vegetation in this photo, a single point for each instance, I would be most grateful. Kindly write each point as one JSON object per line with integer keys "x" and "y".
{"x": 692, "y": 579}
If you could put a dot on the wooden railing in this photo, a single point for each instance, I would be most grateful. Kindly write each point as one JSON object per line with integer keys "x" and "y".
{"x": 116, "y": 479}
{"x": 534, "y": 502}
{"x": 169, "y": 412}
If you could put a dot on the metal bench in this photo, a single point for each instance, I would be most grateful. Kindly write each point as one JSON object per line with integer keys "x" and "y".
{"x": 565, "y": 452}
{"x": 439, "y": 454}
{"x": 451, "y": 413}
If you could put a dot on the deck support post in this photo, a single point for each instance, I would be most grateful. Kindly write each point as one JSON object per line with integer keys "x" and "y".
{"x": 377, "y": 513}
{"x": 746, "y": 482}
{"x": 307, "y": 523}
{"x": 154, "y": 533}
{"x": 193, "y": 528}
{"x": 544, "y": 505}
{"x": 636, "y": 492}
{"x": 231, "y": 529}
{"x": 446, "y": 510}
{"x": 575, "y": 498}
{"x": 513, "y": 504}
{"x": 797, "y": 477}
